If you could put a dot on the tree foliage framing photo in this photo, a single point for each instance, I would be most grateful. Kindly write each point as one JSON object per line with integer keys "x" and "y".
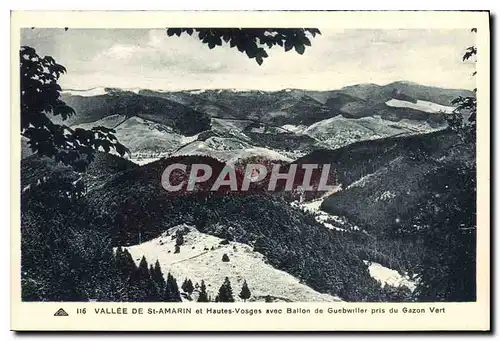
{"x": 465, "y": 105}
{"x": 40, "y": 97}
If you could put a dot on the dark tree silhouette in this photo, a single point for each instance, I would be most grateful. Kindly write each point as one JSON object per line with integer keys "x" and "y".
{"x": 203, "y": 293}
{"x": 172, "y": 293}
{"x": 179, "y": 239}
{"x": 252, "y": 41}
{"x": 225, "y": 292}
{"x": 245, "y": 292}
{"x": 157, "y": 275}
{"x": 124, "y": 263}
{"x": 187, "y": 286}
{"x": 141, "y": 287}
{"x": 142, "y": 271}
{"x": 40, "y": 97}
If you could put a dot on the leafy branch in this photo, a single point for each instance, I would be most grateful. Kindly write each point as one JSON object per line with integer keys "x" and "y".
{"x": 252, "y": 41}
{"x": 40, "y": 96}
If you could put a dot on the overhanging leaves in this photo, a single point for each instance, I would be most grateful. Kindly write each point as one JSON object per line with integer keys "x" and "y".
{"x": 40, "y": 97}
{"x": 252, "y": 41}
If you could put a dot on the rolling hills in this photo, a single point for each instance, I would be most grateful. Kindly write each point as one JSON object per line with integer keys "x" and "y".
{"x": 181, "y": 119}
{"x": 286, "y": 124}
{"x": 383, "y": 179}
{"x": 394, "y": 161}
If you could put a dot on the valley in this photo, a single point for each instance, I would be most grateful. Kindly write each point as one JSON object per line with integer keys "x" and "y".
{"x": 397, "y": 168}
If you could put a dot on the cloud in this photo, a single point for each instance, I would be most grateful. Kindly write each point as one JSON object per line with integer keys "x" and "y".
{"x": 123, "y": 52}
{"x": 149, "y": 58}
{"x": 158, "y": 53}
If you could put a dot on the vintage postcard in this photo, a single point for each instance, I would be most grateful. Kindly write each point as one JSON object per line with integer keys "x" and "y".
{"x": 250, "y": 171}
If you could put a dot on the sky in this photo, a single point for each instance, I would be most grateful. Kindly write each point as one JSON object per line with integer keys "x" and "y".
{"x": 149, "y": 59}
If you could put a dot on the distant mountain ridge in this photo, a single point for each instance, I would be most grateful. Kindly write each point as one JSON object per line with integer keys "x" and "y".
{"x": 288, "y": 106}
{"x": 401, "y": 83}
{"x": 288, "y": 122}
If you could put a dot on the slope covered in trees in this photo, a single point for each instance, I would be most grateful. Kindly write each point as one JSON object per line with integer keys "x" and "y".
{"x": 410, "y": 194}
{"x": 290, "y": 239}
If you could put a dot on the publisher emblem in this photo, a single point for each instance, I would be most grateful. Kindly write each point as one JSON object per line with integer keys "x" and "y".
{"x": 61, "y": 312}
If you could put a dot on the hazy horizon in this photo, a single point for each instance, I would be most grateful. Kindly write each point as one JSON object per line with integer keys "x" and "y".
{"x": 149, "y": 59}
{"x": 249, "y": 89}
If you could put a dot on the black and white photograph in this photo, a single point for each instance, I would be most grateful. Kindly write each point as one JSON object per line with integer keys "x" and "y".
{"x": 105, "y": 111}
{"x": 246, "y": 165}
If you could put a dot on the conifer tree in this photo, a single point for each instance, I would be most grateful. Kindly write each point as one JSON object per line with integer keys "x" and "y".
{"x": 225, "y": 292}
{"x": 124, "y": 263}
{"x": 141, "y": 287}
{"x": 104, "y": 282}
{"x": 203, "y": 293}
{"x": 119, "y": 252}
{"x": 184, "y": 285}
{"x": 201, "y": 221}
{"x": 189, "y": 287}
{"x": 245, "y": 292}
{"x": 179, "y": 239}
{"x": 172, "y": 293}
{"x": 130, "y": 260}
{"x": 151, "y": 270}
{"x": 157, "y": 275}
{"x": 142, "y": 271}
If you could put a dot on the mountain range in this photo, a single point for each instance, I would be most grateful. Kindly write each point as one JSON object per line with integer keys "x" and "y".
{"x": 389, "y": 145}
{"x": 283, "y": 124}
